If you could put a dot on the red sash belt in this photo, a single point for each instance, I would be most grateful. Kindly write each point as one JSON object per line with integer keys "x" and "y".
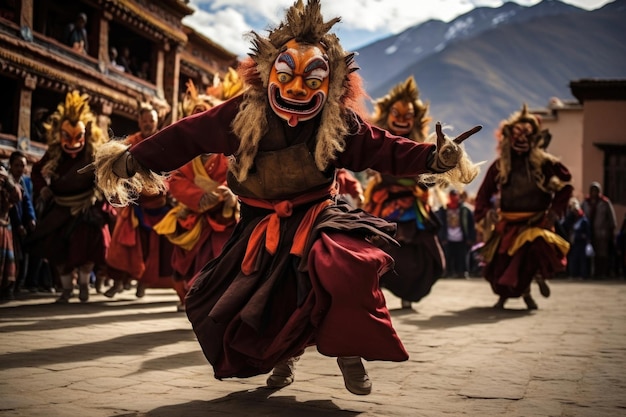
{"x": 270, "y": 225}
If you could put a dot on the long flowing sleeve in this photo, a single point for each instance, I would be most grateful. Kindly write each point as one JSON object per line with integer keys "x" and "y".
{"x": 180, "y": 142}
{"x": 484, "y": 197}
{"x": 378, "y": 149}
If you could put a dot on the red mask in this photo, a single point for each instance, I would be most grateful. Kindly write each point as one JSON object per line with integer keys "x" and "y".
{"x": 298, "y": 82}
{"x": 72, "y": 137}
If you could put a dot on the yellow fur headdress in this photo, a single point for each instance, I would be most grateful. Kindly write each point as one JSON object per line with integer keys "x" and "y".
{"x": 74, "y": 109}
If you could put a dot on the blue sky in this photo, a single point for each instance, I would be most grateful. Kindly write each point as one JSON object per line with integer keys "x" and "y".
{"x": 362, "y": 21}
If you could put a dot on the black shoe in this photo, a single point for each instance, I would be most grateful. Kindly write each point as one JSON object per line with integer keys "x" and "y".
{"x": 530, "y": 303}
{"x": 406, "y": 305}
{"x": 500, "y": 304}
{"x": 141, "y": 290}
{"x": 83, "y": 294}
{"x": 114, "y": 289}
{"x": 543, "y": 287}
{"x": 7, "y": 294}
{"x": 65, "y": 296}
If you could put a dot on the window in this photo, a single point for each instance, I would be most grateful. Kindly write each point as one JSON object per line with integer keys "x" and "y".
{"x": 615, "y": 172}
{"x": 136, "y": 53}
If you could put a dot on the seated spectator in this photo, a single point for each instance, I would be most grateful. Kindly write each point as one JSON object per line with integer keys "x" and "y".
{"x": 126, "y": 61}
{"x": 144, "y": 71}
{"x": 76, "y": 34}
{"x": 113, "y": 59}
{"x": 37, "y": 128}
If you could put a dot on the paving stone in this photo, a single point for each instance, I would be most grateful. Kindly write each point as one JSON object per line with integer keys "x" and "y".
{"x": 134, "y": 357}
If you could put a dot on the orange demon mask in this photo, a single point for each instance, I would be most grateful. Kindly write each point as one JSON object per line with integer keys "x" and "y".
{"x": 298, "y": 82}
{"x": 401, "y": 118}
{"x": 72, "y": 137}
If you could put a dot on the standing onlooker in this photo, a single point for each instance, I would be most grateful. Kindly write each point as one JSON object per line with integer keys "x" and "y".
{"x": 577, "y": 227}
{"x": 599, "y": 209}
{"x": 113, "y": 58}
{"x": 9, "y": 195}
{"x": 126, "y": 60}
{"x": 143, "y": 71}
{"x": 23, "y": 219}
{"x": 457, "y": 234}
{"x": 76, "y": 34}
{"x": 37, "y": 125}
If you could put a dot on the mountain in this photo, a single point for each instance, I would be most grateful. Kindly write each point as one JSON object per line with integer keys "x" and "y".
{"x": 423, "y": 40}
{"x": 481, "y": 67}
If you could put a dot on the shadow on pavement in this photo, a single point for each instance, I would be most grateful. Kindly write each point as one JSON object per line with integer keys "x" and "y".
{"x": 250, "y": 403}
{"x": 123, "y": 346}
{"x": 469, "y": 316}
{"x": 43, "y": 316}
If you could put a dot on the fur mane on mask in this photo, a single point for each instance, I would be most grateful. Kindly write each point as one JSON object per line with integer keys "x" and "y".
{"x": 75, "y": 109}
{"x": 409, "y": 93}
{"x": 537, "y": 154}
{"x": 305, "y": 24}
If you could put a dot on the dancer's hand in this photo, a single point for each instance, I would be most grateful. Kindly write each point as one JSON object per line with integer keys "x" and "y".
{"x": 448, "y": 151}
{"x": 125, "y": 166}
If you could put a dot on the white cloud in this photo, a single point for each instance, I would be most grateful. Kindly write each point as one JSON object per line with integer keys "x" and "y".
{"x": 225, "y": 27}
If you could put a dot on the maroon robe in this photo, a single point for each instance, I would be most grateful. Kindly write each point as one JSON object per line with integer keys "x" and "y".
{"x": 326, "y": 293}
{"x": 65, "y": 238}
{"x": 511, "y": 275}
